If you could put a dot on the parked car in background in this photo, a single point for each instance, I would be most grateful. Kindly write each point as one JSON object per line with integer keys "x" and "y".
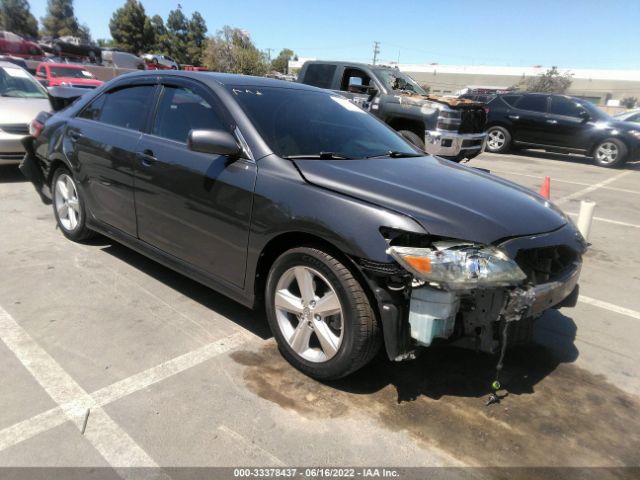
{"x": 118, "y": 59}
{"x": 66, "y": 75}
{"x": 16, "y": 61}
{"x": 559, "y": 123}
{"x": 629, "y": 116}
{"x": 160, "y": 62}
{"x": 21, "y": 98}
{"x": 291, "y": 198}
{"x": 69, "y": 47}
{"x": 16, "y": 46}
{"x": 447, "y": 127}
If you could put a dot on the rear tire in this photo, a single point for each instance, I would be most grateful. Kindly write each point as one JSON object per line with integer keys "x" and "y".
{"x": 320, "y": 314}
{"x": 498, "y": 140}
{"x": 68, "y": 206}
{"x": 413, "y": 138}
{"x": 610, "y": 153}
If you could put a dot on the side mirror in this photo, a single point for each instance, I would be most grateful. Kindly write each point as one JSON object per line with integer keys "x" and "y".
{"x": 584, "y": 115}
{"x": 373, "y": 92}
{"x": 216, "y": 142}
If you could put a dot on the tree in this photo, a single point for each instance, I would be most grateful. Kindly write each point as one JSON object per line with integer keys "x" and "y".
{"x": 196, "y": 38}
{"x": 178, "y": 33}
{"x": 162, "y": 42}
{"x": 281, "y": 62}
{"x": 552, "y": 81}
{"x": 131, "y": 29}
{"x": 232, "y": 50}
{"x": 629, "y": 102}
{"x": 16, "y": 17}
{"x": 60, "y": 19}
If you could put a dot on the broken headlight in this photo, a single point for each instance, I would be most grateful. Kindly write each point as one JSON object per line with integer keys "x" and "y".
{"x": 459, "y": 265}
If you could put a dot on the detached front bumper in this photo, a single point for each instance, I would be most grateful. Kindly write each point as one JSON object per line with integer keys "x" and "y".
{"x": 452, "y": 144}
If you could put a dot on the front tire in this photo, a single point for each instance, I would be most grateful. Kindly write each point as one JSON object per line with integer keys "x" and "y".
{"x": 413, "y": 138}
{"x": 610, "y": 153}
{"x": 498, "y": 140}
{"x": 320, "y": 314}
{"x": 68, "y": 206}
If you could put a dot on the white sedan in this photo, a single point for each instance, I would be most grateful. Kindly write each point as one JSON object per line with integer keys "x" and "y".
{"x": 21, "y": 99}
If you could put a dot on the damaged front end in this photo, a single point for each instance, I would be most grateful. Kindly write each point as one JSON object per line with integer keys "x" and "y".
{"x": 463, "y": 293}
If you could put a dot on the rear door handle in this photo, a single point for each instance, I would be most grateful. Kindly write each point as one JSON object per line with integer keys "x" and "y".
{"x": 146, "y": 157}
{"x": 514, "y": 117}
{"x": 552, "y": 122}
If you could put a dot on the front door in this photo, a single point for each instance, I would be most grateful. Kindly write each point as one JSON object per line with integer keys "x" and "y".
{"x": 193, "y": 206}
{"x": 104, "y": 139}
{"x": 570, "y": 129}
{"x": 355, "y": 85}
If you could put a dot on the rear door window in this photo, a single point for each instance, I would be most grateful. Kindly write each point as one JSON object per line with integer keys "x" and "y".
{"x": 320, "y": 75}
{"x": 127, "y": 107}
{"x": 511, "y": 99}
{"x": 533, "y": 103}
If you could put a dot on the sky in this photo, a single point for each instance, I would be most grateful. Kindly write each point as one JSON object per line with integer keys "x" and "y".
{"x": 564, "y": 33}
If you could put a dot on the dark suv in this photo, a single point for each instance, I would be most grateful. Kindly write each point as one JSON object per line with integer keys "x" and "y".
{"x": 559, "y": 123}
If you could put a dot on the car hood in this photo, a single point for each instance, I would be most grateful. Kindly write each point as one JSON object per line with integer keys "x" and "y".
{"x": 21, "y": 110}
{"x": 77, "y": 81}
{"x": 447, "y": 199}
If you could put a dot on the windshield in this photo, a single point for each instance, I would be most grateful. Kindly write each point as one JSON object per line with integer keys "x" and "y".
{"x": 394, "y": 79}
{"x": 295, "y": 122}
{"x": 70, "y": 72}
{"x": 15, "y": 82}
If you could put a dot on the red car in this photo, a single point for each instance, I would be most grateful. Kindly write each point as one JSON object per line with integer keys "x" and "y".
{"x": 66, "y": 75}
{"x": 16, "y": 46}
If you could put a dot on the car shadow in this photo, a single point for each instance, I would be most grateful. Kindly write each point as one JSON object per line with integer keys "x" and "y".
{"x": 11, "y": 174}
{"x": 450, "y": 371}
{"x": 253, "y": 321}
{"x": 567, "y": 158}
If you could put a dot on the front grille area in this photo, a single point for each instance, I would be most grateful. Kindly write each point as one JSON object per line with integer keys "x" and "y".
{"x": 473, "y": 120}
{"x": 543, "y": 265}
{"x": 16, "y": 128}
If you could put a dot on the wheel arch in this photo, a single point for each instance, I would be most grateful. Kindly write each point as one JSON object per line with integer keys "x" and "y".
{"x": 400, "y": 123}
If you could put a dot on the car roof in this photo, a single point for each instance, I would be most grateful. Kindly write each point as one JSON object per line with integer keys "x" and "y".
{"x": 226, "y": 79}
{"x": 70, "y": 65}
{"x": 5, "y": 64}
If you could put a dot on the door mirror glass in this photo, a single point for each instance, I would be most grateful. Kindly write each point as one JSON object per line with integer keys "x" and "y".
{"x": 217, "y": 142}
{"x": 584, "y": 115}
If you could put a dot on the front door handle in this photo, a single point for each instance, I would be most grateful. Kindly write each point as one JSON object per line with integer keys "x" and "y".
{"x": 75, "y": 135}
{"x": 514, "y": 117}
{"x": 552, "y": 122}
{"x": 146, "y": 157}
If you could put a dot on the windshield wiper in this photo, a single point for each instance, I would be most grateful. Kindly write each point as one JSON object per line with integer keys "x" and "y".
{"x": 396, "y": 154}
{"x": 320, "y": 156}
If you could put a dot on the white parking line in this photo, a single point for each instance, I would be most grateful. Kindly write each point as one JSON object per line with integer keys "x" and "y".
{"x": 249, "y": 445}
{"x": 608, "y": 220}
{"x": 113, "y": 443}
{"x": 610, "y": 306}
{"x": 54, "y": 417}
{"x": 591, "y": 188}
{"x": 554, "y": 179}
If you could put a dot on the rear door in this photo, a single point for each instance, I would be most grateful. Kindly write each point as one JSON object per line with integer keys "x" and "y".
{"x": 103, "y": 140}
{"x": 529, "y": 119}
{"x": 193, "y": 206}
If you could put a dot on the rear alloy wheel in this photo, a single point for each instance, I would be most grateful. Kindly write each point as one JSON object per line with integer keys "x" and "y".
{"x": 68, "y": 206}
{"x": 498, "y": 140}
{"x": 319, "y": 314}
{"x": 610, "y": 153}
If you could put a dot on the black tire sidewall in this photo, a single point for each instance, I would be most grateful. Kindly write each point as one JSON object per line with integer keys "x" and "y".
{"x": 341, "y": 363}
{"x": 413, "y": 138}
{"x": 81, "y": 232}
{"x": 622, "y": 153}
{"x": 507, "y": 140}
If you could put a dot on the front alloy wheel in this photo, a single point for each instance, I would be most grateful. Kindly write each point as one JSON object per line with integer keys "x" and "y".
{"x": 609, "y": 153}
{"x": 319, "y": 313}
{"x": 309, "y": 314}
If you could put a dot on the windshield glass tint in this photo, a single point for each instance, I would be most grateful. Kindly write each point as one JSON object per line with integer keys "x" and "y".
{"x": 396, "y": 80}
{"x": 15, "y": 82}
{"x": 69, "y": 72}
{"x": 303, "y": 122}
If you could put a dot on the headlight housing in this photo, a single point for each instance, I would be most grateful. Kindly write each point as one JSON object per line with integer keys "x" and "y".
{"x": 459, "y": 265}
